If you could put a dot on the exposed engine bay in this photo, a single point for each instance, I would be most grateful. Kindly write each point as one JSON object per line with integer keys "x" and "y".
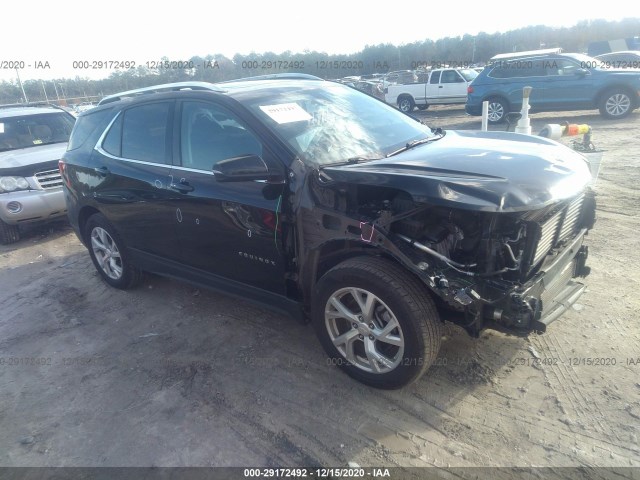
{"x": 485, "y": 268}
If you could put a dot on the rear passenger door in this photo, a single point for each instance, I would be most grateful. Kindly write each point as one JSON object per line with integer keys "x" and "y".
{"x": 513, "y": 75}
{"x": 229, "y": 229}
{"x": 132, "y": 167}
{"x": 567, "y": 85}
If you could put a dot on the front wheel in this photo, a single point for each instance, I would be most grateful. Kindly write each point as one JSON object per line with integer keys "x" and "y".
{"x": 615, "y": 104}
{"x": 109, "y": 254}
{"x": 376, "y": 322}
{"x": 406, "y": 104}
{"x": 8, "y": 233}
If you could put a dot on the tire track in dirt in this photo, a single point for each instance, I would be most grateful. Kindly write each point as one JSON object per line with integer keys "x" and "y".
{"x": 575, "y": 391}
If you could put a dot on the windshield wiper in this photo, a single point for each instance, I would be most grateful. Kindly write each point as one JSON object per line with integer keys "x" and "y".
{"x": 350, "y": 161}
{"x": 415, "y": 143}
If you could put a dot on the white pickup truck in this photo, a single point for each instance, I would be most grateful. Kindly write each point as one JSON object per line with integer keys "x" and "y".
{"x": 440, "y": 86}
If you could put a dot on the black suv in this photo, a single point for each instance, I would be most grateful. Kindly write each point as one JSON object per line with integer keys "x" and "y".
{"x": 315, "y": 199}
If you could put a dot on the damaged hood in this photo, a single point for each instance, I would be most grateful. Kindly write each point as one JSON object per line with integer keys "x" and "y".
{"x": 486, "y": 171}
{"x": 27, "y": 161}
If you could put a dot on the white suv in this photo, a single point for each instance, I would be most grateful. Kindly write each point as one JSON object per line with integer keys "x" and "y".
{"x": 32, "y": 140}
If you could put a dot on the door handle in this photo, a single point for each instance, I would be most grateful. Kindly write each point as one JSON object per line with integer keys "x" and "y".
{"x": 102, "y": 171}
{"x": 181, "y": 187}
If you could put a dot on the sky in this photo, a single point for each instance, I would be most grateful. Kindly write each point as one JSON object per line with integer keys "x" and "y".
{"x": 63, "y": 31}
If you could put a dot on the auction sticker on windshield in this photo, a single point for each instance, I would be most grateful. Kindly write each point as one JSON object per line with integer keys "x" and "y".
{"x": 286, "y": 112}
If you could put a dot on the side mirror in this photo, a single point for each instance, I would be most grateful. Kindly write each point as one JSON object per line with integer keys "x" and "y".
{"x": 582, "y": 72}
{"x": 245, "y": 168}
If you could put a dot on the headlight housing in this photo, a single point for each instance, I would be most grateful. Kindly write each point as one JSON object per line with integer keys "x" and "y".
{"x": 11, "y": 184}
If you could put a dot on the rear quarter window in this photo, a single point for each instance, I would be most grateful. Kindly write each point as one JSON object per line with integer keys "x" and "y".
{"x": 85, "y": 126}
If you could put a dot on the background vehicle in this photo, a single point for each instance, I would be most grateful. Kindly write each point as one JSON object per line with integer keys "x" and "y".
{"x": 370, "y": 87}
{"x": 315, "y": 199}
{"x": 624, "y": 59}
{"x": 441, "y": 86}
{"x": 399, "y": 77}
{"x": 560, "y": 81}
{"x": 32, "y": 140}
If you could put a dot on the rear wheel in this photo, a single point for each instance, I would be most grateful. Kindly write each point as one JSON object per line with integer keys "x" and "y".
{"x": 109, "y": 255}
{"x": 376, "y": 322}
{"x": 497, "y": 111}
{"x": 406, "y": 104}
{"x": 616, "y": 104}
{"x": 8, "y": 233}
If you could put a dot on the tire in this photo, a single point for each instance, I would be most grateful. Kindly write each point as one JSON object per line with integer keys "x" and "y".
{"x": 8, "y": 233}
{"x": 423, "y": 107}
{"x": 616, "y": 103}
{"x": 109, "y": 254}
{"x": 406, "y": 104}
{"x": 356, "y": 341}
{"x": 498, "y": 109}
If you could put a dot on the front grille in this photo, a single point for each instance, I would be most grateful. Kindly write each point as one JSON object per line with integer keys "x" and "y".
{"x": 49, "y": 179}
{"x": 555, "y": 226}
{"x": 571, "y": 218}
{"x": 548, "y": 232}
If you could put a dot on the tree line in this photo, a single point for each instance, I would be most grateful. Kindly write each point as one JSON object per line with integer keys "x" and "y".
{"x": 381, "y": 58}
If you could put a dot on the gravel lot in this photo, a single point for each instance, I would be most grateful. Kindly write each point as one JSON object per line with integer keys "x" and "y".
{"x": 172, "y": 375}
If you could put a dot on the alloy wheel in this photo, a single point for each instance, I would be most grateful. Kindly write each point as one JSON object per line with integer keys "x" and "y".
{"x": 495, "y": 111}
{"x": 618, "y": 104}
{"x": 106, "y": 252}
{"x": 364, "y": 330}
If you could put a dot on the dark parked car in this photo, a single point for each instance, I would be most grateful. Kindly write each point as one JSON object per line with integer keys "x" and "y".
{"x": 32, "y": 140}
{"x": 624, "y": 59}
{"x": 560, "y": 81}
{"x": 320, "y": 201}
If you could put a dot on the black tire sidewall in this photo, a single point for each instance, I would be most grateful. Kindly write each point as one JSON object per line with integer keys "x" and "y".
{"x": 128, "y": 271}
{"x": 412, "y": 363}
{"x": 8, "y": 233}
{"x": 411, "y": 104}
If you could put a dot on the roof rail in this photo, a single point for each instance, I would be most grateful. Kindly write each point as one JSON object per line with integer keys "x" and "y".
{"x": 167, "y": 87}
{"x": 275, "y": 76}
{"x": 33, "y": 104}
{"x": 529, "y": 53}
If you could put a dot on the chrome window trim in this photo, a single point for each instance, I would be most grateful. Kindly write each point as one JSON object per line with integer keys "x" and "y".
{"x": 106, "y": 130}
{"x": 195, "y": 170}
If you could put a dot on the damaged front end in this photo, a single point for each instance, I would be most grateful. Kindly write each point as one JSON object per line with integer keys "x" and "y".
{"x": 510, "y": 271}
{"x": 500, "y": 252}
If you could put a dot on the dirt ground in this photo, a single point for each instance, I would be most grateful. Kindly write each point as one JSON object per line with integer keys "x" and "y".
{"x": 172, "y": 375}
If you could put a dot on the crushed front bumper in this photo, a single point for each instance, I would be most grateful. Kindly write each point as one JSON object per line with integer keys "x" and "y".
{"x": 549, "y": 294}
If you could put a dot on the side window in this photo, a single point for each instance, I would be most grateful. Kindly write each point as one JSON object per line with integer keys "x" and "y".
{"x": 145, "y": 131}
{"x": 561, "y": 67}
{"x": 519, "y": 69}
{"x": 451, "y": 76}
{"x": 435, "y": 77}
{"x": 210, "y": 133}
